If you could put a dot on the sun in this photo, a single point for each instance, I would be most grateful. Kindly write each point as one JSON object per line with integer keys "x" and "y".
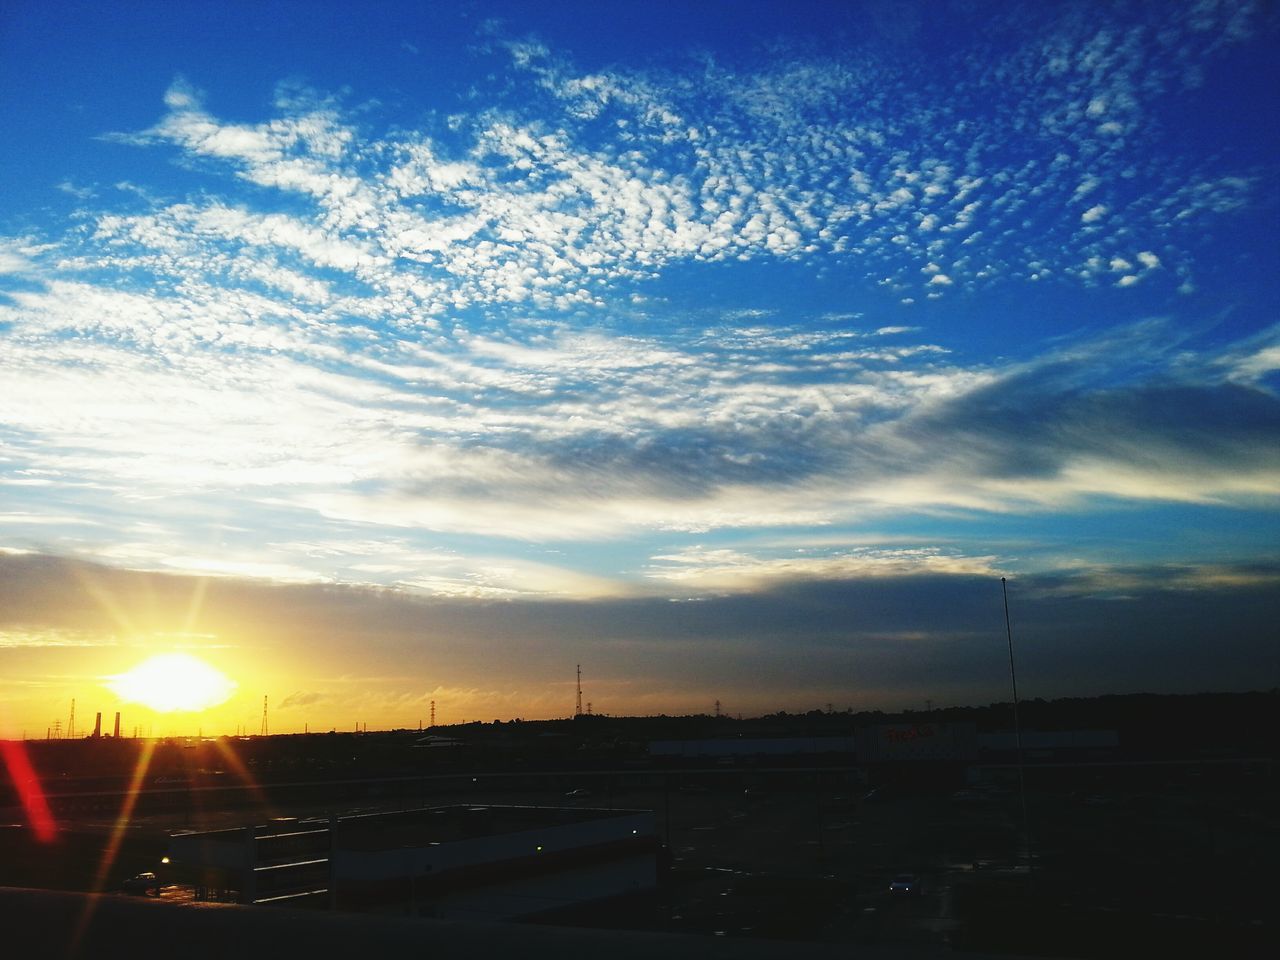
{"x": 173, "y": 681}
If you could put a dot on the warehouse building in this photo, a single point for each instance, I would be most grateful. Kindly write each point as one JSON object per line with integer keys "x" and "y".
{"x": 451, "y": 862}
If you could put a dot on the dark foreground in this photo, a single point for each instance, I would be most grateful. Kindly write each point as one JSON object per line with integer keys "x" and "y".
{"x": 53, "y": 924}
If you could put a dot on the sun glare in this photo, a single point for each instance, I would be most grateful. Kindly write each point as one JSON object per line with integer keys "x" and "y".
{"x": 173, "y": 681}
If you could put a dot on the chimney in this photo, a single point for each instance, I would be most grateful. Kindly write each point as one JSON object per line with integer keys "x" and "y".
{"x": 117, "y": 733}
{"x": 97, "y": 726}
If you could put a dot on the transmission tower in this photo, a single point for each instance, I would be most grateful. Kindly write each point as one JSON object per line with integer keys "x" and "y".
{"x": 578, "y": 709}
{"x": 264, "y": 716}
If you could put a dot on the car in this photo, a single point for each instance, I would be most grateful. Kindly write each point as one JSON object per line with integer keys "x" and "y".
{"x": 144, "y": 884}
{"x": 904, "y": 885}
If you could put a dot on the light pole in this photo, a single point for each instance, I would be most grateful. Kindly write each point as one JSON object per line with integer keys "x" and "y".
{"x": 1017, "y": 728}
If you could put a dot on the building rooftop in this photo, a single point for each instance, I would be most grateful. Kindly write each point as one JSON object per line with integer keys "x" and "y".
{"x": 436, "y": 825}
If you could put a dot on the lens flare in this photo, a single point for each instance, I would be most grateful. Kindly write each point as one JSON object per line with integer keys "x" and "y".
{"x": 13, "y": 753}
{"x": 173, "y": 681}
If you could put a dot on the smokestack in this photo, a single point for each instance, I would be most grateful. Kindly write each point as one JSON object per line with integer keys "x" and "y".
{"x": 117, "y": 733}
{"x": 97, "y": 726}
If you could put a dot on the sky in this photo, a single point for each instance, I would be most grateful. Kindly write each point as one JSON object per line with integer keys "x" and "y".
{"x": 382, "y": 355}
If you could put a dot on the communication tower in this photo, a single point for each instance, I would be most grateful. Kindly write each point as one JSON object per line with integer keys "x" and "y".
{"x": 433, "y": 713}
{"x": 578, "y": 709}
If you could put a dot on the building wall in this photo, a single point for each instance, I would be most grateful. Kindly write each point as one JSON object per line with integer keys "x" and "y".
{"x": 504, "y": 892}
{"x": 892, "y": 742}
{"x": 503, "y": 875}
{"x": 383, "y": 863}
{"x": 750, "y": 746}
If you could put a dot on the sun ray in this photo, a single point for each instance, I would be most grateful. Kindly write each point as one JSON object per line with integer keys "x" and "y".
{"x": 105, "y": 600}
{"x": 196, "y": 606}
{"x": 113, "y": 842}
{"x": 246, "y": 776}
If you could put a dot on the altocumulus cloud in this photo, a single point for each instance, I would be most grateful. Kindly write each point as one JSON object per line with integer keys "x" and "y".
{"x": 441, "y": 332}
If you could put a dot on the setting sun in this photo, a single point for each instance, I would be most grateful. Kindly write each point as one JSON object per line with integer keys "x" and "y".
{"x": 173, "y": 681}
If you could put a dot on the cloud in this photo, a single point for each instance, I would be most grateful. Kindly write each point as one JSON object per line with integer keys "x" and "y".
{"x": 616, "y": 175}
{"x": 886, "y": 639}
{"x": 1046, "y": 434}
{"x": 476, "y": 326}
{"x": 301, "y": 699}
{"x": 51, "y": 637}
{"x": 733, "y": 571}
{"x": 80, "y": 193}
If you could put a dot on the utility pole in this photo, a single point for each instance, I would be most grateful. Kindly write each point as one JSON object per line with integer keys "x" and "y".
{"x": 1017, "y": 729}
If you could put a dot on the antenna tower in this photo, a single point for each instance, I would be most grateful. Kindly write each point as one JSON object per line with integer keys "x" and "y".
{"x": 71, "y": 724}
{"x": 578, "y": 710}
{"x": 264, "y": 716}
{"x": 433, "y": 713}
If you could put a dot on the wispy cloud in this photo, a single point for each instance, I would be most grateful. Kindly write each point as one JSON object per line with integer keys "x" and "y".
{"x": 391, "y": 337}
{"x": 728, "y": 570}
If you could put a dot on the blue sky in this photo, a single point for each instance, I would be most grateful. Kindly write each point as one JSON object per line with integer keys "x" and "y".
{"x": 484, "y": 313}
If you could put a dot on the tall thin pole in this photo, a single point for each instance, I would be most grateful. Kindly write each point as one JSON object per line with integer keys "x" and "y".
{"x": 1017, "y": 728}
{"x": 578, "y": 709}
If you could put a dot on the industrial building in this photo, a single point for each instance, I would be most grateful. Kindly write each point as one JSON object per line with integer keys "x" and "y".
{"x": 452, "y": 862}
